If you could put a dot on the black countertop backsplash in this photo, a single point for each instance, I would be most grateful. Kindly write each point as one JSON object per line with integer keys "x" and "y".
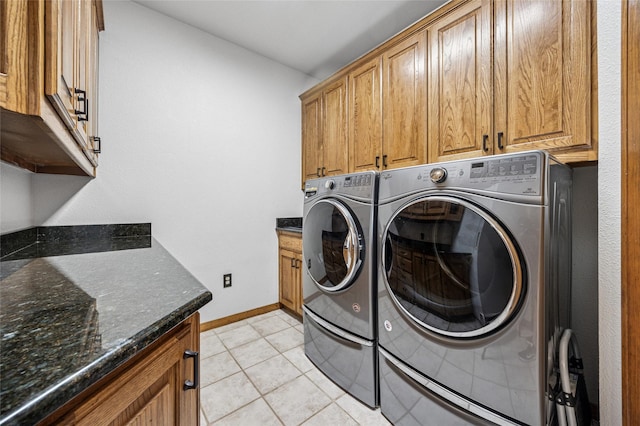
{"x": 289, "y": 224}
{"x": 77, "y": 302}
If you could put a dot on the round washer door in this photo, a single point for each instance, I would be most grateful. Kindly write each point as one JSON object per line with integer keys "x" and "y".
{"x": 451, "y": 267}
{"x": 332, "y": 245}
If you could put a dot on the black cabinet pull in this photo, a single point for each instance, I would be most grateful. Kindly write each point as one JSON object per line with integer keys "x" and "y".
{"x": 500, "y": 136}
{"x": 293, "y": 265}
{"x": 384, "y": 160}
{"x": 83, "y": 115}
{"x": 188, "y": 384}
{"x": 97, "y": 142}
{"x": 318, "y": 172}
{"x": 485, "y": 138}
{"x": 323, "y": 173}
{"x": 377, "y": 161}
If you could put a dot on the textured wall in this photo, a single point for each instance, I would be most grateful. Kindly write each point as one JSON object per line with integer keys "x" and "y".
{"x": 16, "y": 199}
{"x": 202, "y": 139}
{"x": 609, "y": 81}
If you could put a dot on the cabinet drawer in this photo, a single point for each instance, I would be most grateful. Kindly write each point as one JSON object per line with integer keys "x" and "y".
{"x": 291, "y": 241}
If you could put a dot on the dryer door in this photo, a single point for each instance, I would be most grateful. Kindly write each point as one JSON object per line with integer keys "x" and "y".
{"x": 451, "y": 267}
{"x": 332, "y": 245}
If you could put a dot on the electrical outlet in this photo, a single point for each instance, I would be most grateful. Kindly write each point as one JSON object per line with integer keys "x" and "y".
{"x": 226, "y": 280}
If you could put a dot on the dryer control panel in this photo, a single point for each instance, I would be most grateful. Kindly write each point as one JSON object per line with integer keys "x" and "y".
{"x": 507, "y": 169}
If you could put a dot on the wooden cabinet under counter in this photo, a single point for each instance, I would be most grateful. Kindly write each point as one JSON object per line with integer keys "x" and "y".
{"x": 48, "y": 84}
{"x": 158, "y": 386}
{"x": 290, "y": 270}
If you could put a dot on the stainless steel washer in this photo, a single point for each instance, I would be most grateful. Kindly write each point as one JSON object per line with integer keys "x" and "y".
{"x": 339, "y": 286}
{"x": 475, "y": 259}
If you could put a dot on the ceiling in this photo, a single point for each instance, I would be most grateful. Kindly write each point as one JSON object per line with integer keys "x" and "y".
{"x": 316, "y": 37}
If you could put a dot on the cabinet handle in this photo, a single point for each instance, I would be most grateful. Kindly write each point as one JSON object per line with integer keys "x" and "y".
{"x": 323, "y": 169}
{"x": 188, "y": 384}
{"x": 500, "y": 136}
{"x": 96, "y": 142}
{"x": 318, "y": 172}
{"x": 83, "y": 115}
{"x": 377, "y": 161}
{"x": 384, "y": 160}
{"x": 298, "y": 262}
{"x": 485, "y": 138}
{"x": 293, "y": 265}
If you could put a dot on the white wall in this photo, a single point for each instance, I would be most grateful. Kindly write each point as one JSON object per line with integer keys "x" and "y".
{"x": 609, "y": 211}
{"x": 16, "y": 210}
{"x": 202, "y": 139}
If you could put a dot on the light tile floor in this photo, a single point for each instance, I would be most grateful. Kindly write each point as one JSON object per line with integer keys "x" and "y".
{"x": 255, "y": 372}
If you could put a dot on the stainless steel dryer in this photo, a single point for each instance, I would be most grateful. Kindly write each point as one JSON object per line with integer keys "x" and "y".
{"x": 475, "y": 259}
{"x": 339, "y": 286}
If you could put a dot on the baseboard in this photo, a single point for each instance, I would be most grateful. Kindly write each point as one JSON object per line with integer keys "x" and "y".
{"x": 238, "y": 317}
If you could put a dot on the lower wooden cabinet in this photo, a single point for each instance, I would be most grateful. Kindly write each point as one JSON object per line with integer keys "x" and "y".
{"x": 290, "y": 271}
{"x": 152, "y": 388}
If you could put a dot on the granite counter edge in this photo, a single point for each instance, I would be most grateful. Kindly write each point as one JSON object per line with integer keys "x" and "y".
{"x": 59, "y": 394}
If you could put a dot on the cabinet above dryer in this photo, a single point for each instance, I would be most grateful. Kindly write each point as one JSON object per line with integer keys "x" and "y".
{"x": 473, "y": 78}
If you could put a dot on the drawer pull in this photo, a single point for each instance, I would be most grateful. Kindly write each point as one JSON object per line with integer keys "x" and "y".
{"x": 188, "y": 384}
{"x": 485, "y": 148}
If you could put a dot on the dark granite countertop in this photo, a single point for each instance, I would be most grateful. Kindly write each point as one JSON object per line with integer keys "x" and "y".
{"x": 292, "y": 224}
{"x": 77, "y": 302}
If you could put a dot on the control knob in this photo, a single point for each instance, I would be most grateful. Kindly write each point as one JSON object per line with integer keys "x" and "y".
{"x": 438, "y": 174}
{"x": 330, "y": 184}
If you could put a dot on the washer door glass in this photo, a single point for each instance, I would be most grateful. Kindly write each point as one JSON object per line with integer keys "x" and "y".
{"x": 451, "y": 267}
{"x": 331, "y": 245}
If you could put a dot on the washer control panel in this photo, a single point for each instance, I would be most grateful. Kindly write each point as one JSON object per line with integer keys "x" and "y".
{"x": 357, "y": 185}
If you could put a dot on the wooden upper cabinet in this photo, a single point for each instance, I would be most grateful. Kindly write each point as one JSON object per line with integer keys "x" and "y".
{"x": 404, "y": 103}
{"x": 476, "y": 77}
{"x": 48, "y": 84}
{"x": 70, "y": 76}
{"x": 460, "y": 92}
{"x": 365, "y": 117}
{"x": 62, "y": 68}
{"x": 324, "y": 131}
{"x": 534, "y": 93}
{"x": 311, "y": 137}
{"x": 334, "y": 129}
{"x": 542, "y": 74}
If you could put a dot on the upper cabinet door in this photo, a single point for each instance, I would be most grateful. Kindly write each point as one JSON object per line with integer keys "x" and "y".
{"x": 460, "y": 92}
{"x": 311, "y": 138}
{"x": 61, "y": 69}
{"x": 334, "y": 130}
{"x": 404, "y": 103}
{"x": 542, "y": 74}
{"x": 365, "y": 117}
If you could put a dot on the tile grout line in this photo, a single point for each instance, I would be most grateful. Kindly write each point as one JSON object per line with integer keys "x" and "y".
{"x": 228, "y": 350}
